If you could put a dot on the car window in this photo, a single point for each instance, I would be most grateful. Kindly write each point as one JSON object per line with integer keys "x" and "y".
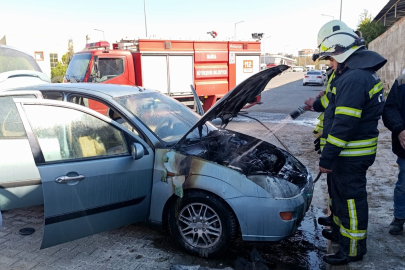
{"x": 12, "y": 59}
{"x": 66, "y": 134}
{"x": 53, "y": 95}
{"x": 314, "y": 73}
{"x": 10, "y": 122}
{"x": 109, "y": 68}
{"x": 167, "y": 118}
{"x": 103, "y": 109}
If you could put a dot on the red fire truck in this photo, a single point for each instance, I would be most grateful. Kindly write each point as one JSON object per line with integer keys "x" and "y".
{"x": 170, "y": 66}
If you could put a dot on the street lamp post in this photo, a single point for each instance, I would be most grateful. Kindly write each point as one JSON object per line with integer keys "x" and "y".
{"x": 264, "y": 49}
{"x": 333, "y": 17}
{"x": 144, "y": 11}
{"x": 235, "y": 27}
{"x": 101, "y": 31}
{"x": 341, "y": 9}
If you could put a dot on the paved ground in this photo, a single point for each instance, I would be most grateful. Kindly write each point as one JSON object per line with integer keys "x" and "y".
{"x": 142, "y": 247}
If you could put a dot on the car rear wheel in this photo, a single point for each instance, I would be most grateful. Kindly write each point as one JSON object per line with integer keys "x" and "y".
{"x": 202, "y": 224}
{"x": 304, "y": 84}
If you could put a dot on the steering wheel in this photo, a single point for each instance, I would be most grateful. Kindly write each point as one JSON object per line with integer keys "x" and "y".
{"x": 163, "y": 127}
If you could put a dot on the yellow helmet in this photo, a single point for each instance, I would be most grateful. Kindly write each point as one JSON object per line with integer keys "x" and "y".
{"x": 337, "y": 40}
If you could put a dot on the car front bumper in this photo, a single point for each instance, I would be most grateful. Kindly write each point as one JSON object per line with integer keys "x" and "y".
{"x": 259, "y": 218}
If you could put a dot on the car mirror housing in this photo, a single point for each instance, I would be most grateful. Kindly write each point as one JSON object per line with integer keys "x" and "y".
{"x": 137, "y": 151}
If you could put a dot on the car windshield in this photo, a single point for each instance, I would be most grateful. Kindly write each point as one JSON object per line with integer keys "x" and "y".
{"x": 77, "y": 67}
{"x": 166, "y": 117}
{"x": 11, "y": 60}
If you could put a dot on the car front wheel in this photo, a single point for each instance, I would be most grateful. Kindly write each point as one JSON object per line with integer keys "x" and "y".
{"x": 202, "y": 224}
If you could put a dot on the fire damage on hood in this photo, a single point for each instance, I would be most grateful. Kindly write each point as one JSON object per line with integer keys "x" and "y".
{"x": 261, "y": 162}
{"x": 273, "y": 169}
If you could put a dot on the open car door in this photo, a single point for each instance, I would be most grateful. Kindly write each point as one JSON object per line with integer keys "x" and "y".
{"x": 20, "y": 184}
{"x": 96, "y": 176}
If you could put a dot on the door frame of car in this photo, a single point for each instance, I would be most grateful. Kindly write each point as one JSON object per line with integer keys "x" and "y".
{"x": 65, "y": 226}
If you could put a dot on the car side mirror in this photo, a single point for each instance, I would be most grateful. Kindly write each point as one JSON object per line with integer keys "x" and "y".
{"x": 137, "y": 151}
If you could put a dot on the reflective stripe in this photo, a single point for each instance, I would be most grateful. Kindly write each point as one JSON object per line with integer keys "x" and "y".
{"x": 359, "y": 152}
{"x": 330, "y": 202}
{"x": 325, "y": 101}
{"x": 348, "y": 111}
{"x": 377, "y": 88}
{"x": 352, "y": 213}
{"x": 321, "y": 116}
{"x": 362, "y": 143}
{"x": 334, "y": 90}
{"x": 335, "y": 141}
{"x": 355, "y": 235}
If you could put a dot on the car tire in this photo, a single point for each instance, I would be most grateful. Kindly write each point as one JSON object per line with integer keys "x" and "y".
{"x": 192, "y": 235}
{"x": 304, "y": 84}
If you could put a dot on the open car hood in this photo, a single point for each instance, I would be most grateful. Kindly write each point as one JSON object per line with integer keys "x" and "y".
{"x": 231, "y": 104}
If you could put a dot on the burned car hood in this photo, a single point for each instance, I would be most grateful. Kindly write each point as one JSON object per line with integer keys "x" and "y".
{"x": 231, "y": 104}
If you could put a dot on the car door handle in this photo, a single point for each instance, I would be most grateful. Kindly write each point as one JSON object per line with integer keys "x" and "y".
{"x": 67, "y": 179}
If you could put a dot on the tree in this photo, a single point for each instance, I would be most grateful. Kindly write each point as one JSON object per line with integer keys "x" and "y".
{"x": 369, "y": 29}
{"x": 58, "y": 72}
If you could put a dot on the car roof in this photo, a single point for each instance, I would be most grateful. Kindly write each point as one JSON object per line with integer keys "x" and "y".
{"x": 111, "y": 90}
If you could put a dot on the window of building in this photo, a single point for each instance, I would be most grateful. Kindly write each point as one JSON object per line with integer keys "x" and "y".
{"x": 53, "y": 57}
{"x": 39, "y": 56}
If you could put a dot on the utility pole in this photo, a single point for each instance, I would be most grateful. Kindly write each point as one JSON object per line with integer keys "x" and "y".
{"x": 341, "y": 9}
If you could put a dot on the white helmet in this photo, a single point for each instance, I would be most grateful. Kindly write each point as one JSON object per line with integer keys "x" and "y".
{"x": 337, "y": 40}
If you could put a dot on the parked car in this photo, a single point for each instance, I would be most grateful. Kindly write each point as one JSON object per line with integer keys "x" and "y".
{"x": 314, "y": 77}
{"x": 18, "y": 69}
{"x": 297, "y": 69}
{"x": 147, "y": 158}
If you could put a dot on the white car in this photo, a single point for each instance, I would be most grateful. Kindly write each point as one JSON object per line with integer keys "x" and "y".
{"x": 314, "y": 77}
{"x": 18, "y": 69}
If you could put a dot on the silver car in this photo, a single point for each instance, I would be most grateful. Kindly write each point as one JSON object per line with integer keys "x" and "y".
{"x": 104, "y": 156}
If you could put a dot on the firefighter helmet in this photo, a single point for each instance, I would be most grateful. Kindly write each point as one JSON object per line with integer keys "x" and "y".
{"x": 337, "y": 40}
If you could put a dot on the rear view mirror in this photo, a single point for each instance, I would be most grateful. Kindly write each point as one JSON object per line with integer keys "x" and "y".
{"x": 137, "y": 151}
{"x": 149, "y": 104}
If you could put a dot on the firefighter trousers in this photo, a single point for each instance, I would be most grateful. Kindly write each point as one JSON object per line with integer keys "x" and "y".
{"x": 350, "y": 207}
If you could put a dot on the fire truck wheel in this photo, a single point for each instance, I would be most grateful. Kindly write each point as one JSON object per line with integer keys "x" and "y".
{"x": 202, "y": 223}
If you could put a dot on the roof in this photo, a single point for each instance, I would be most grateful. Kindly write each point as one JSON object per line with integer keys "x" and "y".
{"x": 393, "y": 11}
{"x": 111, "y": 90}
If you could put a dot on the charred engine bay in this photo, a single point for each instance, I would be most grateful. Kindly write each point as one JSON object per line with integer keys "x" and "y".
{"x": 247, "y": 155}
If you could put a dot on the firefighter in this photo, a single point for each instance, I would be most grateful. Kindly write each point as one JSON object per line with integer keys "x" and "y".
{"x": 349, "y": 138}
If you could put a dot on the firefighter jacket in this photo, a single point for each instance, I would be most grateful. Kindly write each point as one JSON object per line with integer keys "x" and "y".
{"x": 394, "y": 114}
{"x": 356, "y": 101}
{"x": 320, "y": 105}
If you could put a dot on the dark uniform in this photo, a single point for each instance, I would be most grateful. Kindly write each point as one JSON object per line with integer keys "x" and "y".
{"x": 349, "y": 144}
{"x": 320, "y": 106}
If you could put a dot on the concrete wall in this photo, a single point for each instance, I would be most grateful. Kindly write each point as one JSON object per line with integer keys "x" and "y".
{"x": 391, "y": 45}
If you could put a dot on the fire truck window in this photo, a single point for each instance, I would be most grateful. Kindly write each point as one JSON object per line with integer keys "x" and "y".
{"x": 104, "y": 110}
{"x": 109, "y": 68}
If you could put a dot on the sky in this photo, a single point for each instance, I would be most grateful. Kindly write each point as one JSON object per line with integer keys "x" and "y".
{"x": 290, "y": 25}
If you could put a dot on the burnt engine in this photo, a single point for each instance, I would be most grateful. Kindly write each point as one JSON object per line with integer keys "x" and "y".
{"x": 248, "y": 155}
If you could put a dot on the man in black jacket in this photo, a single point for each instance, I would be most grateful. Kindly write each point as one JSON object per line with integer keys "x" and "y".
{"x": 350, "y": 134}
{"x": 394, "y": 120}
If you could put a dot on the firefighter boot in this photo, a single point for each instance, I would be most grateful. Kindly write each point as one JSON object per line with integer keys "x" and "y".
{"x": 397, "y": 226}
{"x": 326, "y": 221}
{"x": 329, "y": 235}
{"x": 340, "y": 258}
